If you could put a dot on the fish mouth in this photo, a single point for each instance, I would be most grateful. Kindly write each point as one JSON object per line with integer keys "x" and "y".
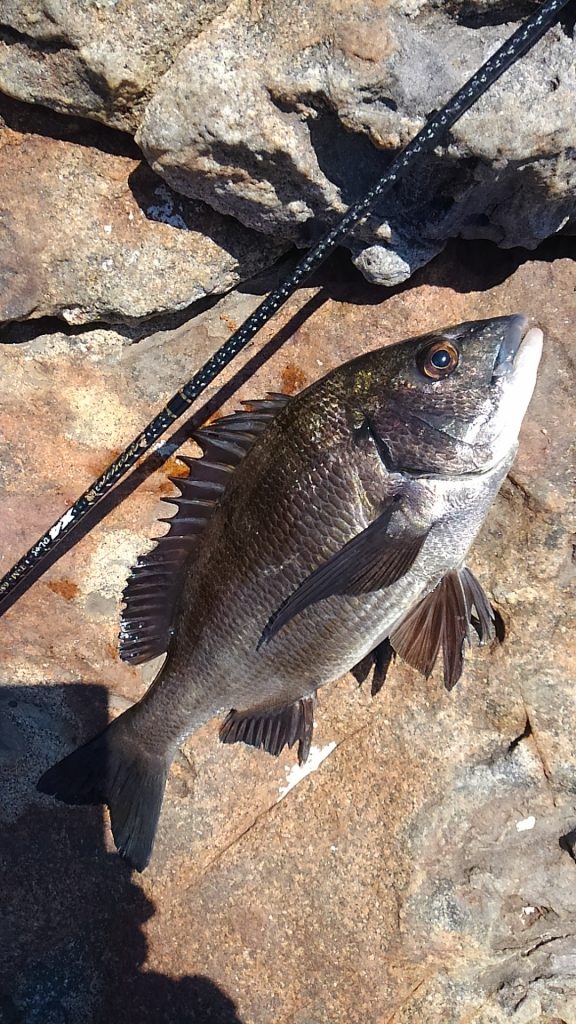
{"x": 519, "y": 340}
{"x": 509, "y": 347}
{"x": 514, "y": 381}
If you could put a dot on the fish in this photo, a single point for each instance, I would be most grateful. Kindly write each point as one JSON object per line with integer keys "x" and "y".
{"x": 316, "y": 535}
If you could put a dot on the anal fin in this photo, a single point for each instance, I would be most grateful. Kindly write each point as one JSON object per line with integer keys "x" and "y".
{"x": 274, "y": 728}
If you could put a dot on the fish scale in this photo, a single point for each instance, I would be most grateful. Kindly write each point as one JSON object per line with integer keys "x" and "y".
{"x": 313, "y": 533}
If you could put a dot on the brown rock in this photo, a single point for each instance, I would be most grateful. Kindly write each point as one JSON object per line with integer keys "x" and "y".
{"x": 422, "y": 873}
{"x": 89, "y": 235}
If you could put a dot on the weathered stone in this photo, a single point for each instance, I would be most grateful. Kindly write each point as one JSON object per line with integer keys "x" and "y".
{"x": 282, "y": 114}
{"x": 419, "y": 875}
{"x": 99, "y": 58}
{"x": 89, "y": 235}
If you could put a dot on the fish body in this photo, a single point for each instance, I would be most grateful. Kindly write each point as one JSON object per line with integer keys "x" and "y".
{"x": 314, "y": 533}
{"x": 278, "y": 522}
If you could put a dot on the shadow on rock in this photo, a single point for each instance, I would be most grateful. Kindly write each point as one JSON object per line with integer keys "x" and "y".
{"x": 71, "y": 944}
{"x": 462, "y": 267}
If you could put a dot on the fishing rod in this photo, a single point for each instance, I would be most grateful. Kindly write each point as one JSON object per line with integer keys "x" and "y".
{"x": 518, "y": 44}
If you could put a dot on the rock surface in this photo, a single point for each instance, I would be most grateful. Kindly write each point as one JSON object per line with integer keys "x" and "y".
{"x": 282, "y": 114}
{"x": 92, "y": 235}
{"x": 424, "y": 870}
{"x": 99, "y": 58}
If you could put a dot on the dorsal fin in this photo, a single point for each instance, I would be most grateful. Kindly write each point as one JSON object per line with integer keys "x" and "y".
{"x": 151, "y": 594}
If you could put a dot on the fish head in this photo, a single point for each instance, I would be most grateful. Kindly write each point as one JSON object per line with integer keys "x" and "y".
{"x": 452, "y": 401}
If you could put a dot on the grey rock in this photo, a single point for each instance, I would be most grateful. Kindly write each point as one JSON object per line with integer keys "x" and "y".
{"x": 99, "y": 58}
{"x": 89, "y": 235}
{"x": 282, "y": 114}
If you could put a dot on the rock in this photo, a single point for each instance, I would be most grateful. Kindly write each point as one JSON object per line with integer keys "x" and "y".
{"x": 423, "y": 871}
{"x": 282, "y": 115}
{"x": 98, "y": 59}
{"x": 88, "y": 235}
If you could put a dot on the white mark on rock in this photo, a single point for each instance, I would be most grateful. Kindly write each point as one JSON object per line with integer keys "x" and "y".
{"x": 107, "y": 229}
{"x": 526, "y": 824}
{"x": 164, "y": 210}
{"x": 61, "y": 524}
{"x": 526, "y": 911}
{"x": 297, "y": 772}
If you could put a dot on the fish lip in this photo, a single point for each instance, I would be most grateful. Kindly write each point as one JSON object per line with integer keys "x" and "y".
{"x": 509, "y": 348}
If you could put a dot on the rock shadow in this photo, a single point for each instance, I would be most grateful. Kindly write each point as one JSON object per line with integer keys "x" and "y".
{"x": 463, "y": 266}
{"x": 469, "y": 14}
{"x": 161, "y": 203}
{"x": 232, "y": 230}
{"x": 72, "y": 947}
{"x": 82, "y": 131}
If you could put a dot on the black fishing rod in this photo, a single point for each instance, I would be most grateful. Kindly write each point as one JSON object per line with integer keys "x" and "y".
{"x": 435, "y": 128}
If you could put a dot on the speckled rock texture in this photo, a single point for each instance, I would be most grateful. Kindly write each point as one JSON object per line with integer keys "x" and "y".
{"x": 98, "y": 58}
{"x": 283, "y": 113}
{"x": 87, "y": 235}
{"x": 422, "y": 871}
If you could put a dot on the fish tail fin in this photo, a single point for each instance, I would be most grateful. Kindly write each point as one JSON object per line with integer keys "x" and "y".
{"x": 115, "y": 770}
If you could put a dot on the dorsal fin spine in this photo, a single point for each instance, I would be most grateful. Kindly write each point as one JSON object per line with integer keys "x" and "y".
{"x": 152, "y": 592}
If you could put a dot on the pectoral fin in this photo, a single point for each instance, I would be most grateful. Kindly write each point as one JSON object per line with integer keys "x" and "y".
{"x": 441, "y": 621}
{"x": 370, "y": 561}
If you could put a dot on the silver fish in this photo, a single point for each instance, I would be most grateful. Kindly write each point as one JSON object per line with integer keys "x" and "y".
{"x": 314, "y": 534}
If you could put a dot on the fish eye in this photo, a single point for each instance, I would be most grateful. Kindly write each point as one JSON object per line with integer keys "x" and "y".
{"x": 438, "y": 360}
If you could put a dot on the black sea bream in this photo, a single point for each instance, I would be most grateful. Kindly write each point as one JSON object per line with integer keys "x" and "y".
{"x": 315, "y": 532}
